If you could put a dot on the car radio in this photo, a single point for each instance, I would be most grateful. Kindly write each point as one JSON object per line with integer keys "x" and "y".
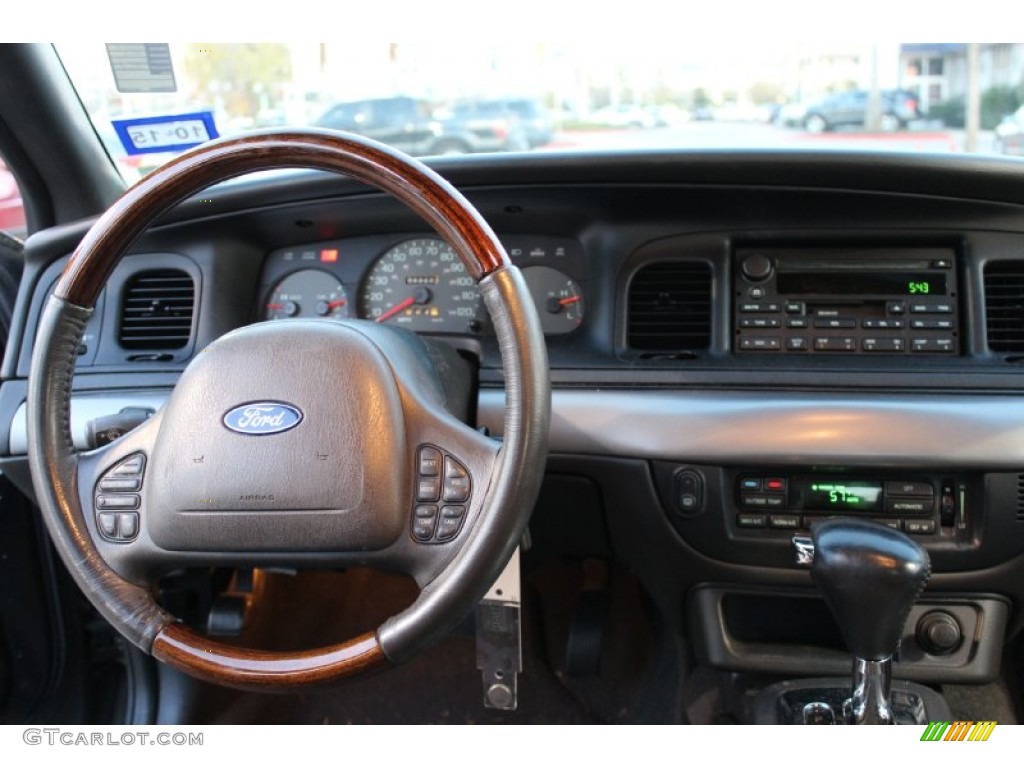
{"x": 846, "y": 300}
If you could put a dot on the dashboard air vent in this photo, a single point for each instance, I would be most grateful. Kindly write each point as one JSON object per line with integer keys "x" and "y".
{"x": 1004, "y": 305}
{"x": 1020, "y": 498}
{"x": 157, "y": 310}
{"x": 670, "y": 307}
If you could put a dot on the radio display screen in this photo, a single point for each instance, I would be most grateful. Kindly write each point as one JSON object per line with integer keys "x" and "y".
{"x": 860, "y": 283}
{"x": 834, "y": 495}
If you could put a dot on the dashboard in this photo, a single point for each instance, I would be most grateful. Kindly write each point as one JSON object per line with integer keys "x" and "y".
{"x": 740, "y": 344}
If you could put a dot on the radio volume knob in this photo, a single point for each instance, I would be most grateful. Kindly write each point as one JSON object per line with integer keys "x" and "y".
{"x": 756, "y": 267}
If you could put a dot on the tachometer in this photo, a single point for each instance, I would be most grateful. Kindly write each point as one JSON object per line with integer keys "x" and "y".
{"x": 307, "y": 293}
{"x": 422, "y": 285}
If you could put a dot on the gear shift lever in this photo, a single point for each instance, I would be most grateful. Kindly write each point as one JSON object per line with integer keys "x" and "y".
{"x": 870, "y": 576}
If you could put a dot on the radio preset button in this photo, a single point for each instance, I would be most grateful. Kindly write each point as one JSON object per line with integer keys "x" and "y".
{"x": 932, "y": 345}
{"x": 882, "y": 345}
{"x": 835, "y": 344}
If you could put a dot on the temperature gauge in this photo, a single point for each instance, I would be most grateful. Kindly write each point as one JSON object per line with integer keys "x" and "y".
{"x": 558, "y": 298}
{"x": 307, "y": 293}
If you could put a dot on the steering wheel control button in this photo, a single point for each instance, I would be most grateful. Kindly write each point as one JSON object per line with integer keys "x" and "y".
{"x": 117, "y": 500}
{"x": 130, "y": 466}
{"x": 450, "y": 523}
{"x": 456, "y": 481}
{"x": 107, "y": 524}
{"x": 440, "y": 477}
{"x": 428, "y": 489}
{"x": 127, "y": 525}
{"x": 120, "y": 484}
{"x": 423, "y": 527}
{"x": 430, "y": 462}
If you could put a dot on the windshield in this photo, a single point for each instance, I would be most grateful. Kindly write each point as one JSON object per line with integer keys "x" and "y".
{"x": 150, "y": 101}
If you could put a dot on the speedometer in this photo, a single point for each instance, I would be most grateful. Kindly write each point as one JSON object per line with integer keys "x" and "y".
{"x": 422, "y": 285}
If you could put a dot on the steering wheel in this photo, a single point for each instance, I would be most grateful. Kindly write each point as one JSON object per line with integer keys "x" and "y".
{"x": 308, "y": 442}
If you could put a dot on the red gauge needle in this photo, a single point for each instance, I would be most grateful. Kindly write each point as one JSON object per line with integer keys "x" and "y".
{"x": 275, "y": 306}
{"x": 569, "y": 300}
{"x": 336, "y": 303}
{"x": 396, "y": 309}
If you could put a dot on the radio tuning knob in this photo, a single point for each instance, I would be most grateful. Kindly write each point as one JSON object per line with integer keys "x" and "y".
{"x": 756, "y": 267}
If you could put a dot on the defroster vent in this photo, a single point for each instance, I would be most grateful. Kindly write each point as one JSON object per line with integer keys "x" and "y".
{"x": 157, "y": 310}
{"x": 670, "y": 307}
{"x": 1004, "y": 305}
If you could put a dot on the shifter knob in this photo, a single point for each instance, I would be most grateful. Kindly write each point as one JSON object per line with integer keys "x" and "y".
{"x": 870, "y": 576}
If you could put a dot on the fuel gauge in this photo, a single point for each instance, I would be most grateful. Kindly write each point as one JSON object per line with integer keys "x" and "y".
{"x": 558, "y": 298}
{"x": 307, "y": 293}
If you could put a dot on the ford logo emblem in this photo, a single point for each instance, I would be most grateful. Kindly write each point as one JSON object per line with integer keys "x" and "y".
{"x": 262, "y": 418}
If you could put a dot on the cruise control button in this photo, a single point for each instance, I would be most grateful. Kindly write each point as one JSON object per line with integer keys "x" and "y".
{"x": 117, "y": 501}
{"x": 108, "y": 524}
{"x": 430, "y": 462}
{"x": 428, "y": 489}
{"x": 116, "y": 484}
{"x": 128, "y": 525}
{"x": 132, "y": 466}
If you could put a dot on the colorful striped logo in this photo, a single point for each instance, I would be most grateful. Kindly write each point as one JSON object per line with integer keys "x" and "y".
{"x": 961, "y": 730}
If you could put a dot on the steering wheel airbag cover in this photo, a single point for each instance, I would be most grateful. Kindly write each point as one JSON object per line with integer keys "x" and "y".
{"x": 337, "y": 481}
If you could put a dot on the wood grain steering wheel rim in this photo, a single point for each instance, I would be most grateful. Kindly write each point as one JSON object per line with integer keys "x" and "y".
{"x": 129, "y": 606}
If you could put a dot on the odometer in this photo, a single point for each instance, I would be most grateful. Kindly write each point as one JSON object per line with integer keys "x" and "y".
{"x": 422, "y": 285}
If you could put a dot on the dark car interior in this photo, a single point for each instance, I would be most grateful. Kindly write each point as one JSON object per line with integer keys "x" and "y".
{"x": 786, "y": 433}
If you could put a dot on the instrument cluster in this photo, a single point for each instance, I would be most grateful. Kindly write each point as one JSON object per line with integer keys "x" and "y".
{"x": 417, "y": 282}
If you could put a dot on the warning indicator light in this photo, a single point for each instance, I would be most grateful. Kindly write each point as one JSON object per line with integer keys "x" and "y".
{"x": 328, "y": 254}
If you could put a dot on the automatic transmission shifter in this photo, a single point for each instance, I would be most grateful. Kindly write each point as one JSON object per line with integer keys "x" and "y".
{"x": 870, "y": 576}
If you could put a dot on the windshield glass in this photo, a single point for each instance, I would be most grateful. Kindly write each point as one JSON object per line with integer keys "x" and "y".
{"x": 150, "y": 101}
